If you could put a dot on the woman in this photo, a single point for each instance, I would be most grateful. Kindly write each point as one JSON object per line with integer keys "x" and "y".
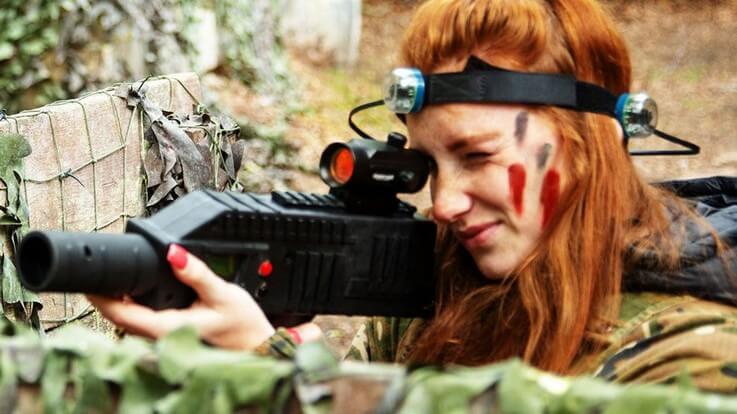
{"x": 546, "y": 230}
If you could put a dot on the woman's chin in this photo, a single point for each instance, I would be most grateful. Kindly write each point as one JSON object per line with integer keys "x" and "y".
{"x": 495, "y": 269}
{"x": 502, "y": 260}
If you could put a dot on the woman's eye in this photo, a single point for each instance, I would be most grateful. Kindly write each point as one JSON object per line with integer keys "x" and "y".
{"x": 477, "y": 156}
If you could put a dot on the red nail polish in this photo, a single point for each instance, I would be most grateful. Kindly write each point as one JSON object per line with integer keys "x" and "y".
{"x": 177, "y": 256}
{"x": 295, "y": 335}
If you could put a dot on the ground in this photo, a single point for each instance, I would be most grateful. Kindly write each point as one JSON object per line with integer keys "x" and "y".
{"x": 681, "y": 54}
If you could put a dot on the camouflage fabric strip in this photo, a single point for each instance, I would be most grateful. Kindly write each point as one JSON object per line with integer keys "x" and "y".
{"x": 382, "y": 339}
{"x": 279, "y": 345}
{"x": 675, "y": 335}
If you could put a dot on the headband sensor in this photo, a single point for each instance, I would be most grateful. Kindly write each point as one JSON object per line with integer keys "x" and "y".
{"x": 408, "y": 90}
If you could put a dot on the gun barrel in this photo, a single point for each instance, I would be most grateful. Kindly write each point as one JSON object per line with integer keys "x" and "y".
{"x": 104, "y": 264}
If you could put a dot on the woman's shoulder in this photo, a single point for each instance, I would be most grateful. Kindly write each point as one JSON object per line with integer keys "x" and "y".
{"x": 660, "y": 337}
{"x": 385, "y": 339}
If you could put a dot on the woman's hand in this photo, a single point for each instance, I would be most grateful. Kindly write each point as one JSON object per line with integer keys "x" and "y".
{"x": 224, "y": 314}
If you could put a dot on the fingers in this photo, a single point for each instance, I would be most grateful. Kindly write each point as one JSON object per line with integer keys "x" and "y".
{"x": 194, "y": 272}
{"x": 140, "y": 320}
{"x": 224, "y": 315}
{"x": 130, "y": 316}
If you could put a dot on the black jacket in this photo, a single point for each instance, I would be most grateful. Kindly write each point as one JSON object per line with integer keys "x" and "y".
{"x": 702, "y": 274}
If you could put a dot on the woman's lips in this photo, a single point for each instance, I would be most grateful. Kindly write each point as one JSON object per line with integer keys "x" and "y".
{"x": 475, "y": 236}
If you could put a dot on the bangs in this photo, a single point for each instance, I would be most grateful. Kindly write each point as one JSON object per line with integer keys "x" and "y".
{"x": 450, "y": 30}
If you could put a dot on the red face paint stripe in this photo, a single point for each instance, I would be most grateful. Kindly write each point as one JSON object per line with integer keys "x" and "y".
{"x": 517, "y": 177}
{"x": 549, "y": 194}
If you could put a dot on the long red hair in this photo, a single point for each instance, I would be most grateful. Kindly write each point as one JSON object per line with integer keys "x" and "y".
{"x": 562, "y": 297}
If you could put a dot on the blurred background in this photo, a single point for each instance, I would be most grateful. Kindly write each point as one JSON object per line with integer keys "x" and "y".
{"x": 288, "y": 71}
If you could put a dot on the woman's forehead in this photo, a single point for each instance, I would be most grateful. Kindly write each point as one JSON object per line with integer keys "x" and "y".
{"x": 465, "y": 118}
{"x": 455, "y": 126}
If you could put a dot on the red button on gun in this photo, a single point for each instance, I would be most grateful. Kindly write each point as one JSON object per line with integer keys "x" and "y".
{"x": 265, "y": 269}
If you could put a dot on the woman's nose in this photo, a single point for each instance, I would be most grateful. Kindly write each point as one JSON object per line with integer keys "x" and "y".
{"x": 449, "y": 199}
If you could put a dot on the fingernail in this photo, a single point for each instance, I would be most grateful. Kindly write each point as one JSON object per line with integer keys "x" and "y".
{"x": 177, "y": 256}
{"x": 295, "y": 335}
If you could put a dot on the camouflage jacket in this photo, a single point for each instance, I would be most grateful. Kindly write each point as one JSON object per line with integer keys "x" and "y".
{"x": 659, "y": 338}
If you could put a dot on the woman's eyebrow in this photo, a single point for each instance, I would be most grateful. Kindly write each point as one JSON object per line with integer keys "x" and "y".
{"x": 460, "y": 143}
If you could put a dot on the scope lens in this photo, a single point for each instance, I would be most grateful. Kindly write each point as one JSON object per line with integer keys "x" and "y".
{"x": 341, "y": 166}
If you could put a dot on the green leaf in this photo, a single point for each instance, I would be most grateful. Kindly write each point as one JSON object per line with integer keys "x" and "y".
{"x": 434, "y": 390}
{"x": 91, "y": 393}
{"x": 78, "y": 340}
{"x": 252, "y": 380}
{"x": 8, "y": 383}
{"x": 13, "y": 148}
{"x": 141, "y": 390}
{"x": 53, "y": 9}
{"x": 50, "y": 35}
{"x": 243, "y": 377}
{"x": 6, "y": 50}
{"x": 315, "y": 360}
{"x": 585, "y": 395}
{"x": 117, "y": 365}
{"x": 27, "y": 355}
{"x": 33, "y": 47}
{"x": 15, "y": 68}
{"x": 12, "y": 290}
{"x": 54, "y": 382}
{"x": 519, "y": 391}
{"x": 194, "y": 398}
{"x": 182, "y": 350}
{"x": 15, "y": 29}
{"x": 645, "y": 400}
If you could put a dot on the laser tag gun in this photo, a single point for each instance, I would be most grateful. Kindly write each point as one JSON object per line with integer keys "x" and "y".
{"x": 358, "y": 250}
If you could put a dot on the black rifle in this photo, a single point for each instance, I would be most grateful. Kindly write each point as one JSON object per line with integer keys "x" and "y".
{"x": 355, "y": 251}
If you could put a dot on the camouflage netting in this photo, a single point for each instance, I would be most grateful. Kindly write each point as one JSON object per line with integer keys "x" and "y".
{"x": 81, "y": 171}
{"x": 79, "y": 168}
{"x": 81, "y": 371}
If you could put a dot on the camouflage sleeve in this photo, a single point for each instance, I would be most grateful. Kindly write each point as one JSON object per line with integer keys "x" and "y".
{"x": 359, "y": 350}
{"x": 378, "y": 340}
{"x": 279, "y": 345}
{"x": 674, "y": 337}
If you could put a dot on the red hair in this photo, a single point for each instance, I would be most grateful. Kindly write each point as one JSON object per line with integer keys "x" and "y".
{"x": 562, "y": 297}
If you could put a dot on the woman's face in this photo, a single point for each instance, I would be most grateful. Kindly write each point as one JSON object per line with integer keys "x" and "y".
{"x": 496, "y": 180}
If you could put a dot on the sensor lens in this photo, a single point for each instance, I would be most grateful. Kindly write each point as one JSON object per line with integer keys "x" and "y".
{"x": 404, "y": 90}
{"x": 638, "y": 115}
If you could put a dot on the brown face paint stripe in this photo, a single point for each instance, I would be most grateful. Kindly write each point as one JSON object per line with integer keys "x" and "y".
{"x": 517, "y": 177}
{"x": 543, "y": 155}
{"x": 520, "y": 126}
{"x": 549, "y": 194}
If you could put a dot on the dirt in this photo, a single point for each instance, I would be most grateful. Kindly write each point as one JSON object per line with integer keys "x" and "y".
{"x": 681, "y": 53}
